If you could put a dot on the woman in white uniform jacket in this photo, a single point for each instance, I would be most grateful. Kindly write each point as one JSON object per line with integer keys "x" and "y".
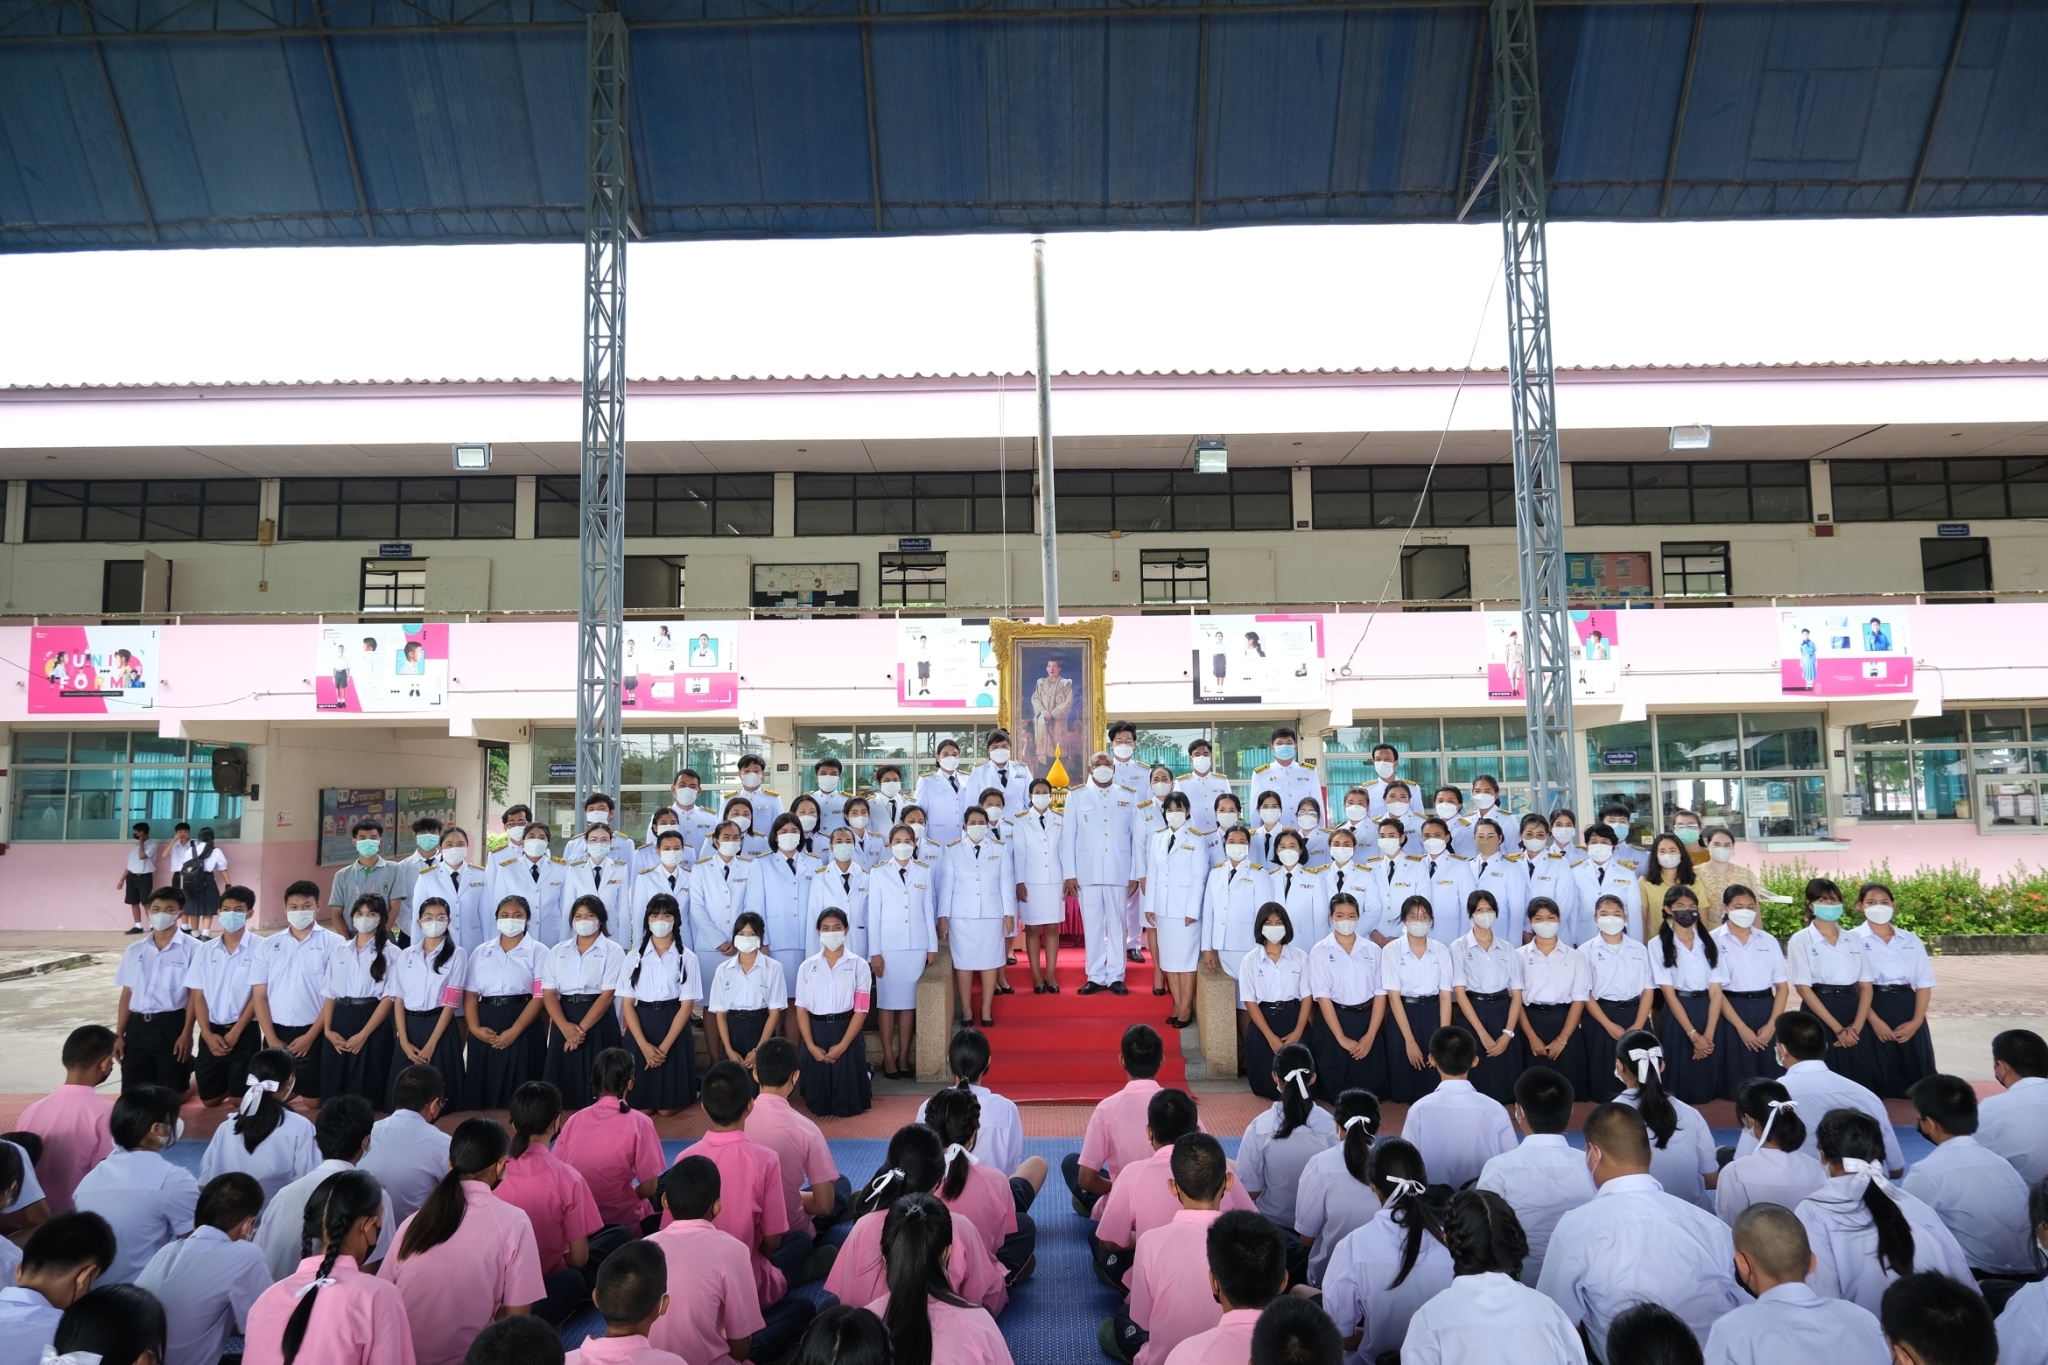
{"x": 782, "y": 897}
{"x": 464, "y": 885}
{"x": 610, "y": 879}
{"x": 721, "y": 890}
{"x": 870, "y": 848}
{"x": 1236, "y": 890}
{"x": 1292, "y": 882}
{"x": 902, "y": 941}
{"x": 1176, "y": 879}
{"x": 841, "y": 884}
{"x": 975, "y": 914}
{"x": 668, "y": 875}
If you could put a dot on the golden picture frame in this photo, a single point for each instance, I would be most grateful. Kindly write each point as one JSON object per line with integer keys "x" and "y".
{"x": 1053, "y": 692}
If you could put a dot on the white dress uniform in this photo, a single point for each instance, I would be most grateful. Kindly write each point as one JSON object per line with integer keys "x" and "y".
{"x": 466, "y": 889}
{"x": 842, "y": 887}
{"x": 1549, "y": 873}
{"x": 1151, "y": 820}
{"x": 1394, "y": 880}
{"x": 781, "y": 896}
{"x": 1299, "y": 889}
{"x": 1230, "y": 902}
{"x": 1501, "y": 877}
{"x": 1176, "y": 879}
{"x": 541, "y": 883}
{"x": 1103, "y": 852}
{"x": 1351, "y": 880}
{"x": 831, "y": 811}
{"x": 886, "y": 812}
{"x": 1201, "y": 790}
{"x": 978, "y": 891}
{"x": 621, "y": 848}
{"x": 869, "y": 848}
{"x": 664, "y": 881}
{"x": 1462, "y": 839}
{"x": 945, "y": 797}
{"x": 1591, "y": 881}
{"x": 1012, "y": 779}
{"x": 1376, "y": 794}
{"x": 1038, "y": 859}
{"x": 610, "y": 881}
{"x": 767, "y": 805}
{"x": 1448, "y": 884}
{"x": 719, "y": 892}
{"x": 1266, "y": 839}
{"x": 1318, "y": 840}
{"x": 900, "y": 930}
{"x": 1293, "y": 780}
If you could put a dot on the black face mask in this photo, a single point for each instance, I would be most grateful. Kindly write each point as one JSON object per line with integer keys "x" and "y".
{"x": 1685, "y": 919}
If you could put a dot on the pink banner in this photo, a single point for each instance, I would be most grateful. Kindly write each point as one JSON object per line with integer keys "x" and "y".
{"x": 92, "y": 670}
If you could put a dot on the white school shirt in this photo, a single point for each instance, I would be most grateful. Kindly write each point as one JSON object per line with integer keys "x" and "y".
{"x": 1489, "y": 1319}
{"x": 1682, "y": 1164}
{"x": 1633, "y": 1243}
{"x": 419, "y": 985}
{"x": 835, "y": 987}
{"x": 1488, "y": 970}
{"x": 1557, "y": 977}
{"x": 207, "y": 1284}
{"x": 1542, "y": 1179}
{"x": 568, "y": 971}
{"x": 155, "y": 977}
{"x": 1001, "y": 1140}
{"x": 1811, "y": 961}
{"x": 1273, "y": 1166}
{"x": 735, "y": 988}
{"x": 1766, "y": 1176}
{"x": 291, "y": 972}
{"x": 348, "y": 971}
{"x": 284, "y": 1155}
{"x": 143, "y": 861}
{"x": 1981, "y": 1199}
{"x": 28, "y": 1323}
{"x": 1261, "y": 980}
{"x": 1406, "y": 974}
{"x": 1690, "y": 971}
{"x": 1789, "y": 1323}
{"x": 2022, "y": 1327}
{"x": 495, "y": 971}
{"x": 1844, "y": 1241}
{"x": 284, "y": 1218}
{"x": 1615, "y": 971}
{"x": 227, "y": 979}
{"x": 671, "y": 975}
{"x": 1901, "y": 962}
{"x": 145, "y": 1199}
{"x": 1816, "y": 1090}
{"x": 408, "y": 1156}
{"x": 1358, "y": 1288}
{"x": 1346, "y": 975}
{"x": 2015, "y": 1125}
{"x": 1329, "y": 1205}
{"x": 1458, "y": 1130}
{"x": 1758, "y": 965}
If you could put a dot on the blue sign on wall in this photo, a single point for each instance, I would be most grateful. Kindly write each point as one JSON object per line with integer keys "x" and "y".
{"x": 1953, "y": 530}
{"x": 1619, "y": 758}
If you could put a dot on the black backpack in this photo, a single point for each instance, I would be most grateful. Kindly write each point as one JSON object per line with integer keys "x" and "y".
{"x": 193, "y": 876}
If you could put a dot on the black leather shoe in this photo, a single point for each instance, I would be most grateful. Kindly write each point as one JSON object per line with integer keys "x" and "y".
{"x": 1092, "y": 988}
{"x": 1119, "y": 988}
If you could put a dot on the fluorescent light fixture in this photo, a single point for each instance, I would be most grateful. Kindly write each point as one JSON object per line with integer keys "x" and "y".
{"x": 472, "y": 457}
{"x": 1211, "y": 457}
{"x": 1694, "y": 437}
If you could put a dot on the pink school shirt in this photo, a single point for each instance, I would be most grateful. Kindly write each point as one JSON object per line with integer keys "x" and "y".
{"x": 750, "y": 1200}
{"x": 615, "y": 1152}
{"x": 986, "y": 1201}
{"x": 72, "y": 1122}
{"x": 620, "y": 1351}
{"x": 454, "y": 1290}
{"x": 556, "y": 1201}
{"x": 799, "y": 1146}
{"x": 1169, "y": 1282}
{"x": 1140, "y": 1200}
{"x": 960, "y": 1336}
{"x": 1229, "y": 1342}
{"x": 858, "y": 1274}
{"x": 1116, "y": 1130}
{"x": 710, "y": 1293}
{"x": 357, "y": 1320}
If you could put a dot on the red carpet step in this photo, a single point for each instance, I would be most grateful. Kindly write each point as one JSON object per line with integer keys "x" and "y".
{"x": 1063, "y": 1048}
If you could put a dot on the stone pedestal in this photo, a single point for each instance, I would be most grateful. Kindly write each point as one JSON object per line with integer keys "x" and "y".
{"x": 1216, "y": 1016}
{"x": 935, "y": 1018}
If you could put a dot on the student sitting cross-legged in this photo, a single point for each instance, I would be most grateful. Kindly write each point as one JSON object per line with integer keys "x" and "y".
{"x": 714, "y": 1314}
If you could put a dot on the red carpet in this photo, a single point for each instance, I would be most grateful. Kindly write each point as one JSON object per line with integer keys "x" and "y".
{"x": 1063, "y": 1048}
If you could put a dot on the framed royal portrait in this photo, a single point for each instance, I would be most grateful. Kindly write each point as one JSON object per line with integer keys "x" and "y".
{"x": 1052, "y": 691}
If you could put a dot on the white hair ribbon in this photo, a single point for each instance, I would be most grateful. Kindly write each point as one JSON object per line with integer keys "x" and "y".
{"x": 50, "y": 1357}
{"x": 309, "y": 1286}
{"x": 1645, "y": 1059}
{"x": 956, "y": 1149}
{"x": 1404, "y": 1187}
{"x": 1853, "y": 1165}
{"x": 1300, "y": 1078}
{"x": 1355, "y": 1120}
{"x": 883, "y": 1180}
{"x": 252, "y": 1098}
{"x": 1776, "y": 1105}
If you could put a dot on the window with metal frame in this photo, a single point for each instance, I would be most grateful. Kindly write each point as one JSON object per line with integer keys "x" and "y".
{"x": 648, "y": 763}
{"x": 1173, "y": 577}
{"x": 913, "y": 580}
{"x": 394, "y": 585}
{"x": 1988, "y": 765}
{"x": 1955, "y": 564}
{"x": 1091, "y": 500}
{"x": 975, "y": 503}
{"x": 468, "y": 508}
{"x": 666, "y": 505}
{"x": 1936, "y": 490}
{"x": 95, "y": 785}
{"x": 1436, "y": 573}
{"x": 1452, "y": 750}
{"x": 1762, "y": 774}
{"x": 655, "y": 582}
{"x": 1696, "y": 568}
{"x": 142, "y": 510}
{"x": 1691, "y": 492}
{"x": 1385, "y": 497}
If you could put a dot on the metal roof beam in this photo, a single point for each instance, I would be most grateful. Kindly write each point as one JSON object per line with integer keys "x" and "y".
{"x": 1948, "y": 75}
{"x": 1692, "y": 61}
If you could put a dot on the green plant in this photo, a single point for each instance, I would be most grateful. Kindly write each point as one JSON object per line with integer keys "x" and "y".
{"x": 1932, "y": 900}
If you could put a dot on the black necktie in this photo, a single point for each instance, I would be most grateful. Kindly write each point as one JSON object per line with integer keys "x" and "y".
{"x": 792, "y": 866}
{"x": 846, "y": 880}
{"x": 977, "y": 852}
{"x": 1481, "y": 872}
{"x": 954, "y": 779}
{"x": 728, "y": 871}
{"x": 671, "y": 881}
{"x": 1601, "y": 880}
{"x": 1432, "y": 868}
{"x": 1288, "y": 887}
{"x": 1340, "y": 881}
{"x": 597, "y": 876}
{"x": 536, "y": 874}
{"x": 904, "y": 873}
{"x": 1390, "y": 869}
{"x": 1003, "y": 776}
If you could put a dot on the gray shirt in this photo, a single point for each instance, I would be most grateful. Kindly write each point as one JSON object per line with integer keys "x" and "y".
{"x": 385, "y": 878}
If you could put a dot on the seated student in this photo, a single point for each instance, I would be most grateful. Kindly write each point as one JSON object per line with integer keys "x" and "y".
{"x": 1633, "y": 1242}
{"x": 1280, "y": 1142}
{"x": 60, "y": 1262}
{"x": 1650, "y": 1332}
{"x": 753, "y": 1209}
{"x": 1776, "y": 1171}
{"x": 408, "y": 1154}
{"x": 1170, "y": 1298}
{"x": 555, "y": 1198}
{"x": 1247, "y": 1271}
{"x": 1978, "y": 1195}
{"x": 714, "y": 1314}
{"x": 1002, "y": 1127}
{"x": 1295, "y": 1331}
{"x": 1682, "y": 1153}
{"x": 2023, "y": 1325}
{"x": 466, "y": 1259}
{"x": 2013, "y": 1124}
{"x": 72, "y": 1119}
{"x": 1867, "y": 1232}
{"x": 209, "y": 1281}
{"x": 1116, "y": 1129}
{"x": 264, "y": 1137}
{"x": 143, "y": 1197}
{"x": 1932, "y": 1319}
{"x": 1488, "y": 1316}
{"x": 614, "y": 1144}
{"x": 114, "y": 1324}
{"x": 915, "y": 1164}
{"x": 1788, "y": 1324}
{"x": 1618, "y": 995}
{"x": 1383, "y": 1272}
{"x": 1334, "y": 1199}
{"x": 927, "y": 1319}
{"x": 342, "y": 1133}
{"x": 813, "y": 1190}
{"x": 329, "y": 1308}
{"x": 1142, "y": 1197}
{"x": 1802, "y": 1040}
{"x": 981, "y": 1192}
{"x": 1455, "y": 1128}
{"x": 1545, "y": 1177}
{"x": 844, "y": 1334}
{"x": 516, "y": 1341}
{"x": 632, "y": 1295}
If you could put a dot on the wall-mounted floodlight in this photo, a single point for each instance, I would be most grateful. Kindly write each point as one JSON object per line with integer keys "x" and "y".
{"x": 1212, "y": 457}
{"x": 1695, "y": 437}
{"x": 472, "y": 458}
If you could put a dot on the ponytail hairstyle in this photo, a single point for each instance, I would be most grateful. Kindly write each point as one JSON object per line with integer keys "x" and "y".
{"x": 661, "y": 903}
{"x": 273, "y": 1068}
{"x": 956, "y": 1116}
{"x": 968, "y": 1055}
{"x": 440, "y": 963}
{"x": 1672, "y": 896}
{"x": 1294, "y": 1066}
{"x": 1399, "y": 1178}
{"x": 915, "y": 1163}
{"x": 339, "y": 1202}
{"x": 535, "y": 1107}
{"x": 375, "y": 904}
{"x": 477, "y": 1145}
{"x": 1358, "y": 1117}
{"x": 611, "y": 1075}
{"x": 915, "y": 1236}
{"x": 1651, "y": 1101}
{"x": 1851, "y": 1139}
{"x": 1484, "y": 1235}
{"x": 1770, "y": 1104}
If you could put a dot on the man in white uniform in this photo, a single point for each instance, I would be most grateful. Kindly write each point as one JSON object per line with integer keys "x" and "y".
{"x": 1013, "y": 780}
{"x": 1287, "y": 775}
{"x": 1100, "y": 837}
{"x": 1202, "y": 786}
{"x": 1788, "y": 1321}
{"x": 1801, "y": 1045}
{"x": 2015, "y": 1124}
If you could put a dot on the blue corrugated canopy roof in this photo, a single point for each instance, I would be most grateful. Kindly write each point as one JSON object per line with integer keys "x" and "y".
{"x": 216, "y": 122}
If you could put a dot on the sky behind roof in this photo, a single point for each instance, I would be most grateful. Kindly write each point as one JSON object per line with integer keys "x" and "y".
{"x": 1296, "y": 297}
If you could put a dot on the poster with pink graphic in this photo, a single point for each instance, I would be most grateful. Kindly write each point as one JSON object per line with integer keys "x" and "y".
{"x": 1506, "y": 664}
{"x": 1844, "y": 651}
{"x": 92, "y": 670}
{"x": 1596, "y": 654}
{"x": 381, "y": 668}
{"x": 681, "y": 666}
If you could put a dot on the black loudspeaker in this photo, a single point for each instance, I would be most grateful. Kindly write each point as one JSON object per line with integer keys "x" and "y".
{"x": 231, "y": 772}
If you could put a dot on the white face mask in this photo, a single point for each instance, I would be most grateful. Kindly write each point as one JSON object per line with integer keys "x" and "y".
{"x": 456, "y": 855}
{"x": 1162, "y": 790}
{"x": 1397, "y": 809}
{"x": 1307, "y": 821}
{"x": 1176, "y": 818}
{"x": 1544, "y": 928}
{"x": 1202, "y": 763}
{"x": 661, "y": 927}
{"x": 976, "y": 833}
{"x": 233, "y": 920}
{"x": 856, "y": 822}
{"x": 1670, "y": 859}
{"x": 1102, "y": 775}
{"x": 891, "y": 788}
{"x": 1273, "y": 933}
{"x": 1742, "y": 919}
{"x": 1041, "y": 800}
{"x": 751, "y": 780}
{"x": 1483, "y": 800}
{"x": 1389, "y": 845}
{"x": 842, "y": 853}
{"x": 1417, "y": 928}
{"x": 1722, "y": 853}
{"x": 600, "y": 849}
{"x": 511, "y": 928}
{"x": 587, "y": 928}
{"x": 670, "y": 858}
{"x": 729, "y": 848}
{"x": 995, "y": 815}
{"x": 902, "y": 852}
{"x": 367, "y": 924}
{"x": 687, "y": 796}
{"x": 433, "y": 928}
{"x": 1483, "y": 919}
{"x": 918, "y": 827}
{"x": 1237, "y": 853}
{"x": 748, "y": 943}
{"x": 1434, "y": 847}
{"x": 1226, "y": 819}
{"x": 161, "y": 921}
{"x": 807, "y": 823}
{"x": 1599, "y": 853}
{"x": 832, "y": 940}
{"x": 1446, "y": 810}
{"x": 999, "y": 756}
{"x": 828, "y": 782}
{"x": 1269, "y": 816}
{"x": 1561, "y": 835}
{"x": 1342, "y": 854}
{"x": 1383, "y": 768}
{"x": 1611, "y": 924}
{"x": 788, "y": 840}
{"x": 300, "y": 919}
{"x": 534, "y": 848}
{"x": 1876, "y": 914}
{"x": 1123, "y": 751}
{"x": 949, "y": 762}
{"x": 1289, "y": 856}
{"x": 1344, "y": 928}
{"x": 1355, "y": 814}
